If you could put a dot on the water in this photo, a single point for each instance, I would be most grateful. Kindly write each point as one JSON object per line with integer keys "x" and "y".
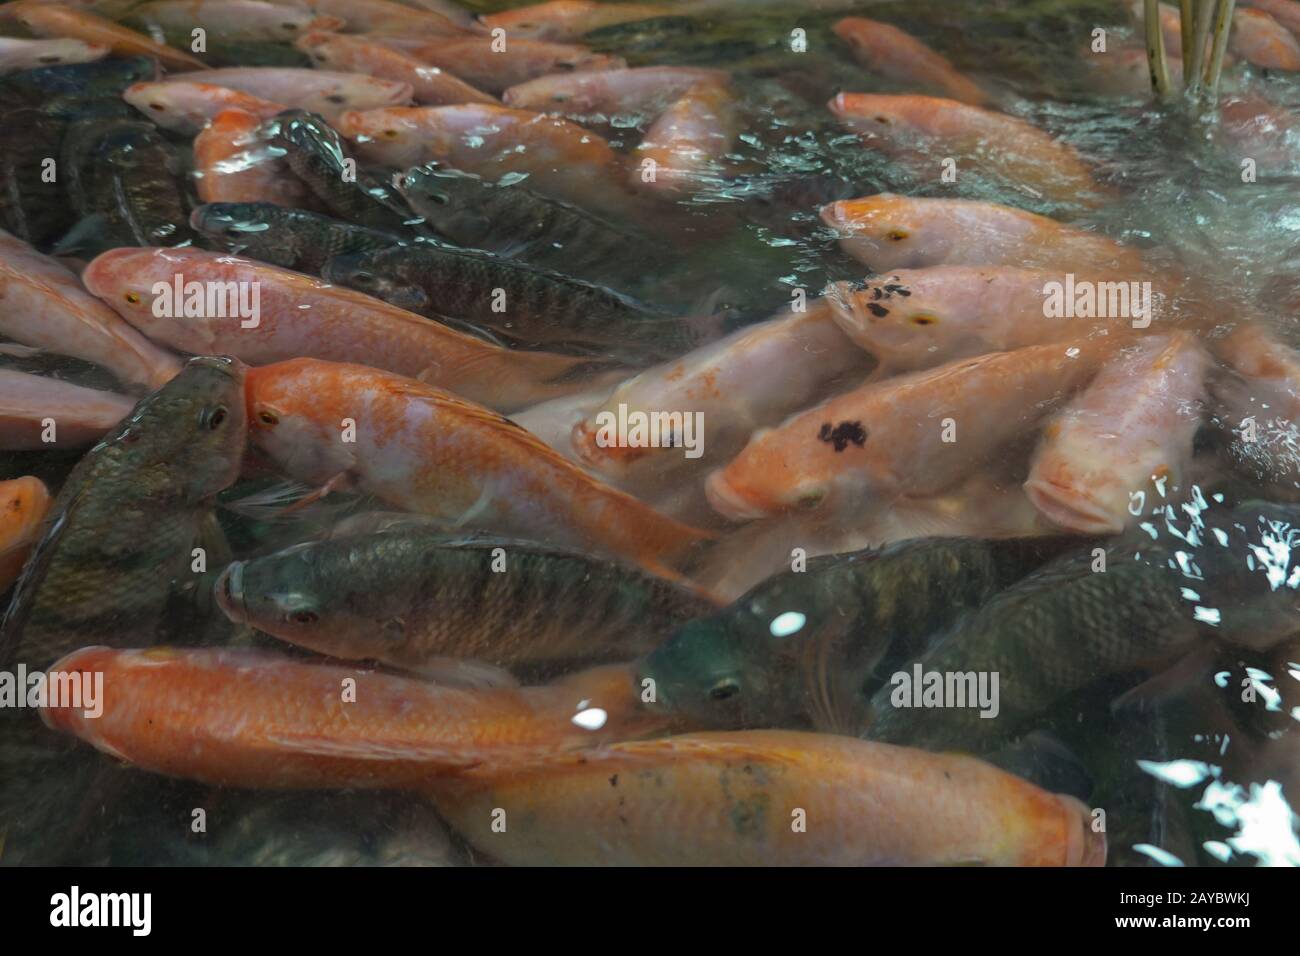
{"x": 1195, "y": 771}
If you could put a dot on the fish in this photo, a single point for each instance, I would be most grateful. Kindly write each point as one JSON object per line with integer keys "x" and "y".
{"x": 1123, "y": 70}
{"x": 231, "y": 21}
{"x": 1125, "y": 610}
{"x": 1255, "y": 128}
{"x": 31, "y": 404}
{"x": 484, "y": 63}
{"x": 806, "y": 645}
{"x": 32, "y": 208}
{"x": 726, "y": 382}
{"x": 1285, "y": 12}
{"x": 917, "y": 319}
{"x": 23, "y": 505}
{"x": 643, "y": 90}
{"x": 425, "y": 450}
{"x": 887, "y": 438}
{"x": 326, "y": 92}
{"x": 924, "y": 128}
{"x": 565, "y": 20}
{"x": 384, "y": 18}
{"x": 406, "y": 596}
{"x": 19, "y": 54}
{"x": 235, "y": 163}
{"x": 511, "y": 299}
{"x": 687, "y": 143}
{"x": 517, "y": 222}
{"x": 561, "y": 159}
{"x": 55, "y": 20}
{"x": 186, "y": 107}
{"x": 115, "y": 559}
{"x": 430, "y": 85}
{"x": 1125, "y": 438}
{"x": 302, "y": 316}
{"x": 240, "y": 717}
{"x": 1261, "y": 41}
{"x": 124, "y": 179}
{"x": 315, "y": 154}
{"x": 902, "y": 57}
{"x": 887, "y": 232}
{"x": 290, "y": 238}
{"x": 1257, "y": 398}
{"x": 73, "y": 322}
{"x": 733, "y": 799}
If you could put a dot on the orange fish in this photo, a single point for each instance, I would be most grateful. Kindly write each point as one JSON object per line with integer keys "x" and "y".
{"x": 233, "y": 164}
{"x": 483, "y": 62}
{"x": 643, "y": 89}
{"x": 1260, "y": 40}
{"x": 570, "y": 19}
{"x": 429, "y": 84}
{"x": 560, "y": 158}
{"x": 1285, "y": 12}
{"x": 249, "y": 718}
{"x": 888, "y": 231}
{"x": 915, "y": 434}
{"x": 53, "y": 20}
{"x": 902, "y": 57}
{"x": 925, "y": 128}
{"x": 425, "y": 450}
{"x": 1269, "y": 371}
{"x": 687, "y": 142}
{"x": 299, "y": 315}
{"x": 187, "y": 107}
{"x": 1129, "y": 430}
{"x": 765, "y": 798}
{"x": 23, "y": 504}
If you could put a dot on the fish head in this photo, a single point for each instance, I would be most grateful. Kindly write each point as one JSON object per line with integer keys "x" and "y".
{"x": 188, "y": 436}
{"x": 394, "y": 132}
{"x": 290, "y": 595}
{"x": 887, "y": 232}
{"x": 286, "y": 423}
{"x": 381, "y": 278}
{"x": 765, "y": 481}
{"x": 719, "y": 672}
{"x": 446, "y": 200}
{"x": 898, "y": 324}
{"x": 138, "y": 284}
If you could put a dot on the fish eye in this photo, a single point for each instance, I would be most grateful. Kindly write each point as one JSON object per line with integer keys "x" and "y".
{"x": 440, "y": 198}
{"x": 389, "y": 133}
{"x": 214, "y": 418}
{"x": 133, "y": 298}
{"x": 158, "y": 106}
{"x": 810, "y": 499}
{"x": 724, "y": 689}
{"x": 883, "y": 119}
{"x": 337, "y": 98}
{"x": 304, "y": 617}
{"x": 268, "y": 418}
{"x": 896, "y": 235}
{"x": 923, "y": 319}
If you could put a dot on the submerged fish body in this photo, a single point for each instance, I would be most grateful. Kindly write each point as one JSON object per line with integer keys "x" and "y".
{"x": 1126, "y": 437}
{"x": 925, "y": 126}
{"x": 231, "y": 21}
{"x": 290, "y": 238}
{"x": 297, "y": 315}
{"x": 688, "y": 142}
{"x": 430, "y": 85}
{"x": 23, "y": 505}
{"x": 803, "y": 645}
{"x": 727, "y": 799}
{"x": 570, "y": 19}
{"x": 483, "y": 62}
{"x": 31, "y": 207}
{"x": 641, "y": 91}
{"x": 406, "y": 596}
{"x": 18, "y": 54}
{"x": 239, "y": 717}
{"x": 900, "y": 56}
{"x": 55, "y": 20}
{"x": 513, "y": 299}
{"x": 327, "y": 92}
{"x": 425, "y": 450}
{"x": 234, "y": 163}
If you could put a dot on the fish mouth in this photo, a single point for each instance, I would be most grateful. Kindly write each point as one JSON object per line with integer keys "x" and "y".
{"x": 229, "y": 592}
{"x": 1069, "y": 509}
{"x": 728, "y": 502}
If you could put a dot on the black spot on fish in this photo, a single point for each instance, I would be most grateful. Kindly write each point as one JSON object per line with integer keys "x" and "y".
{"x": 613, "y": 781}
{"x": 842, "y": 434}
{"x": 876, "y": 294}
{"x": 337, "y": 98}
{"x": 879, "y": 311}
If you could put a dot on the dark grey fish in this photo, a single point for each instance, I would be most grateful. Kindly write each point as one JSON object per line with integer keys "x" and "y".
{"x": 314, "y": 151}
{"x": 410, "y": 595}
{"x": 801, "y": 647}
{"x": 292, "y": 238}
{"x": 510, "y": 299}
{"x": 517, "y": 222}
{"x": 72, "y": 82}
{"x": 32, "y": 204}
{"x": 115, "y": 556}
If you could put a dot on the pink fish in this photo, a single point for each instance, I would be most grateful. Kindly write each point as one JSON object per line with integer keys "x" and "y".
{"x": 646, "y": 90}
{"x": 233, "y": 163}
{"x": 80, "y": 416}
{"x": 494, "y": 67}
{"x": 1125, "y": 442}
{"x": 321, "y": 91}
{"x": 686, "y": 144}
{"x": 429, "y": 84}
{"x": 900, "y": 56}
{"x": 19, "y": 54}
{"x": 183, "y": 106}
